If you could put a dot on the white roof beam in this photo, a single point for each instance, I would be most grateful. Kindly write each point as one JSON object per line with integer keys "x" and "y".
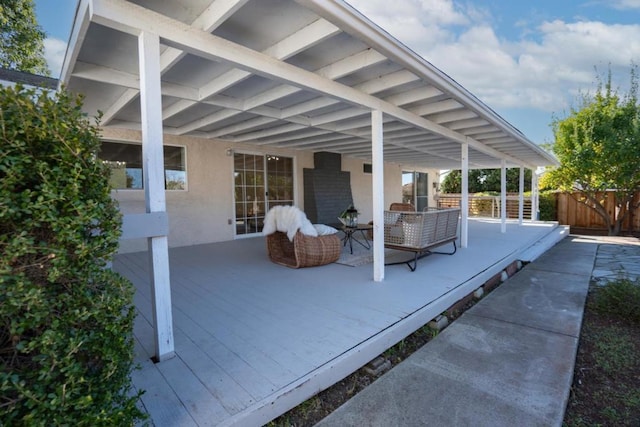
{"x": 335, "y": 70}
{"x": 414, "y": 95}
{"x": 269, "y": 115}
{"x": 490, "y": 135}
{"x": 308, "y": 134}
{"x": 133, "y": 19}
{"x": 476, "y": 129}
{"x": 395, "y": 79}
{"x": 210, "y": 19}
{"x": 302, "y": 39}
{"x": 498, "y": 140}
{"x": 240, "y": 127}
{"x": 332, "y": 71}
{"x": 340, "y": 146}
{"x": 452, "y": 116}
{"x": 112, "y": 76}
{"x": 307, "y": 106}
{"x": 470, "y": 123}
{"x": 311, "y": 141}
{"x": 78, "y": 33}
{"x": 387, "y": 81}
{"x": 339, "y": 115}
{"x": 437, "y": 107}
{"x": 352, "y": 23}
{"x": 125, "y": 99}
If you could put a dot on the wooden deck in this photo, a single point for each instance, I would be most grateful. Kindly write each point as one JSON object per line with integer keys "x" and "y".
{"x": 254, "y": 339}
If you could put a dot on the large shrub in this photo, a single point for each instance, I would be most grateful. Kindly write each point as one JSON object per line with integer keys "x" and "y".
{"x": 66, "y": 346}
{"x": 548, "y": 206}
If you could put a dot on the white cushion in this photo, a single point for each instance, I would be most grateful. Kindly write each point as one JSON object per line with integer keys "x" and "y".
{"x": 324, "y": 230}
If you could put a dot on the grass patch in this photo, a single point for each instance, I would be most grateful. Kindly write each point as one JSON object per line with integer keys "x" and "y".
{"x": 606, "y": 384}
{"x": 614, "y": 349}
{"x": 619, "y": 298}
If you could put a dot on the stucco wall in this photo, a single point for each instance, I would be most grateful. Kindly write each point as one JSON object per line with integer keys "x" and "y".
{"x": 202, "y": 213}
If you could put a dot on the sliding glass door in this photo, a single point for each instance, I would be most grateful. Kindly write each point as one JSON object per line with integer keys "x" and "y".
{"x": 260, "y": 182}
{"x": 415, "y": 189}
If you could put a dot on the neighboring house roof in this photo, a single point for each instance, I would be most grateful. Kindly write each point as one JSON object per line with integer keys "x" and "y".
{"x": 301, "y": 74}
{"x": 14, "y": 76}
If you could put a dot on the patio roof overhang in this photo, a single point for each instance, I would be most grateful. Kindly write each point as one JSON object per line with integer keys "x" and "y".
{"x": 300, "y": 74}
{"x": 310, "y": 75}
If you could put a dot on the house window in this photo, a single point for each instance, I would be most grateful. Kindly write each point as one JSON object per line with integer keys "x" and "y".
{"x": 125, "y": 161}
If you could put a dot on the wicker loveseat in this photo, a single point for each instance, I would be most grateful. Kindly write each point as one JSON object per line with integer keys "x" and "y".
{"x": 418, "y": 232}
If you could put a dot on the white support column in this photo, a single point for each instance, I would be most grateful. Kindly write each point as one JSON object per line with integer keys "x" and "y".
{"x": 464, "y": 201}
{"x": 521, "y": 196}
{"x": 503, "y": 196}
{"x": 153, "y": 167}
{"x": 377, "y": 160}
{"x": 534, "y": 196}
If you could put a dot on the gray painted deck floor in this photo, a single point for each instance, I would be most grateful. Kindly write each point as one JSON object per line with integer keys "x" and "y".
{"x": 254, "y": 339}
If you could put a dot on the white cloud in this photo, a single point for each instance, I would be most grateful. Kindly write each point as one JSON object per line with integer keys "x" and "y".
{"x": 415, "y": 22}
{"x": 54, "y": 50}
{"x": 545, "y": 70}
{"x": 624, "y": 4}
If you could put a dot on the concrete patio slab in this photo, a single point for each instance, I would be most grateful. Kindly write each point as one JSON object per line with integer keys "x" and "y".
{"x": 507, "y": 361}
{"x": 572, "y": 257}
{"x": 480, "y": 372}
{"x": 538, "y": 299}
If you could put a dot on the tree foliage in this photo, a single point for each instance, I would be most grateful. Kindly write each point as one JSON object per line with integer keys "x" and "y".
{"x": 486, "y": 180}
{"x": 66, "y": 319}
{"x": 598, "y": 146}
{"x": 21, "y": 38}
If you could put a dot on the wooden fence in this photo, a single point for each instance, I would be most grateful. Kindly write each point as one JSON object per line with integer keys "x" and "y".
{"x": 571, "y": 212}
{"x": 568, "y": 210}
{"x": 486, "y": 206}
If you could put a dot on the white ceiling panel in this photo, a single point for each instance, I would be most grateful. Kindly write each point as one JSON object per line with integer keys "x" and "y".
{"x": 303, "y": 74}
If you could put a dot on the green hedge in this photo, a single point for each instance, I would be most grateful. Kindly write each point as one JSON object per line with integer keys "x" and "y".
{"x": 66, "y": 319}
{"x": 548, "y": 206}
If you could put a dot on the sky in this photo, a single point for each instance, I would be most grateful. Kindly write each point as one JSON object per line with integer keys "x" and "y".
{"x": 530, "y": 61}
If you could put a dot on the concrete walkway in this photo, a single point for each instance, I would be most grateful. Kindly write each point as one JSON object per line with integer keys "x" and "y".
{"x": 508, "y": 361}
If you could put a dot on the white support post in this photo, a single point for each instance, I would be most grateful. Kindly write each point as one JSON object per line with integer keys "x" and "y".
{"x": 534, "y": 196}
{"x": 377, "y": 160}
{"x": 153, "y": 169}
{"x": 464, "y": 201}
{"x": 503, "y": 196}
{"x": 521, "y": 196}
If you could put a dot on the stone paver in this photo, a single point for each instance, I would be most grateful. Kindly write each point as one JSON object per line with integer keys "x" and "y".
{"x": 616, "y": 261}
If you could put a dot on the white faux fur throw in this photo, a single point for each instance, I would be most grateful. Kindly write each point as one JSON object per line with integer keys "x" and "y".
{"x": 287, "y": 219}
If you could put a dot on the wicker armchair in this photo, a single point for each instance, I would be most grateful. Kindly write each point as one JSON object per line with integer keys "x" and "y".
{"x": 402, "y": 207}
{"x": 304, "y": 251}
{"x": 396, "y": 206}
